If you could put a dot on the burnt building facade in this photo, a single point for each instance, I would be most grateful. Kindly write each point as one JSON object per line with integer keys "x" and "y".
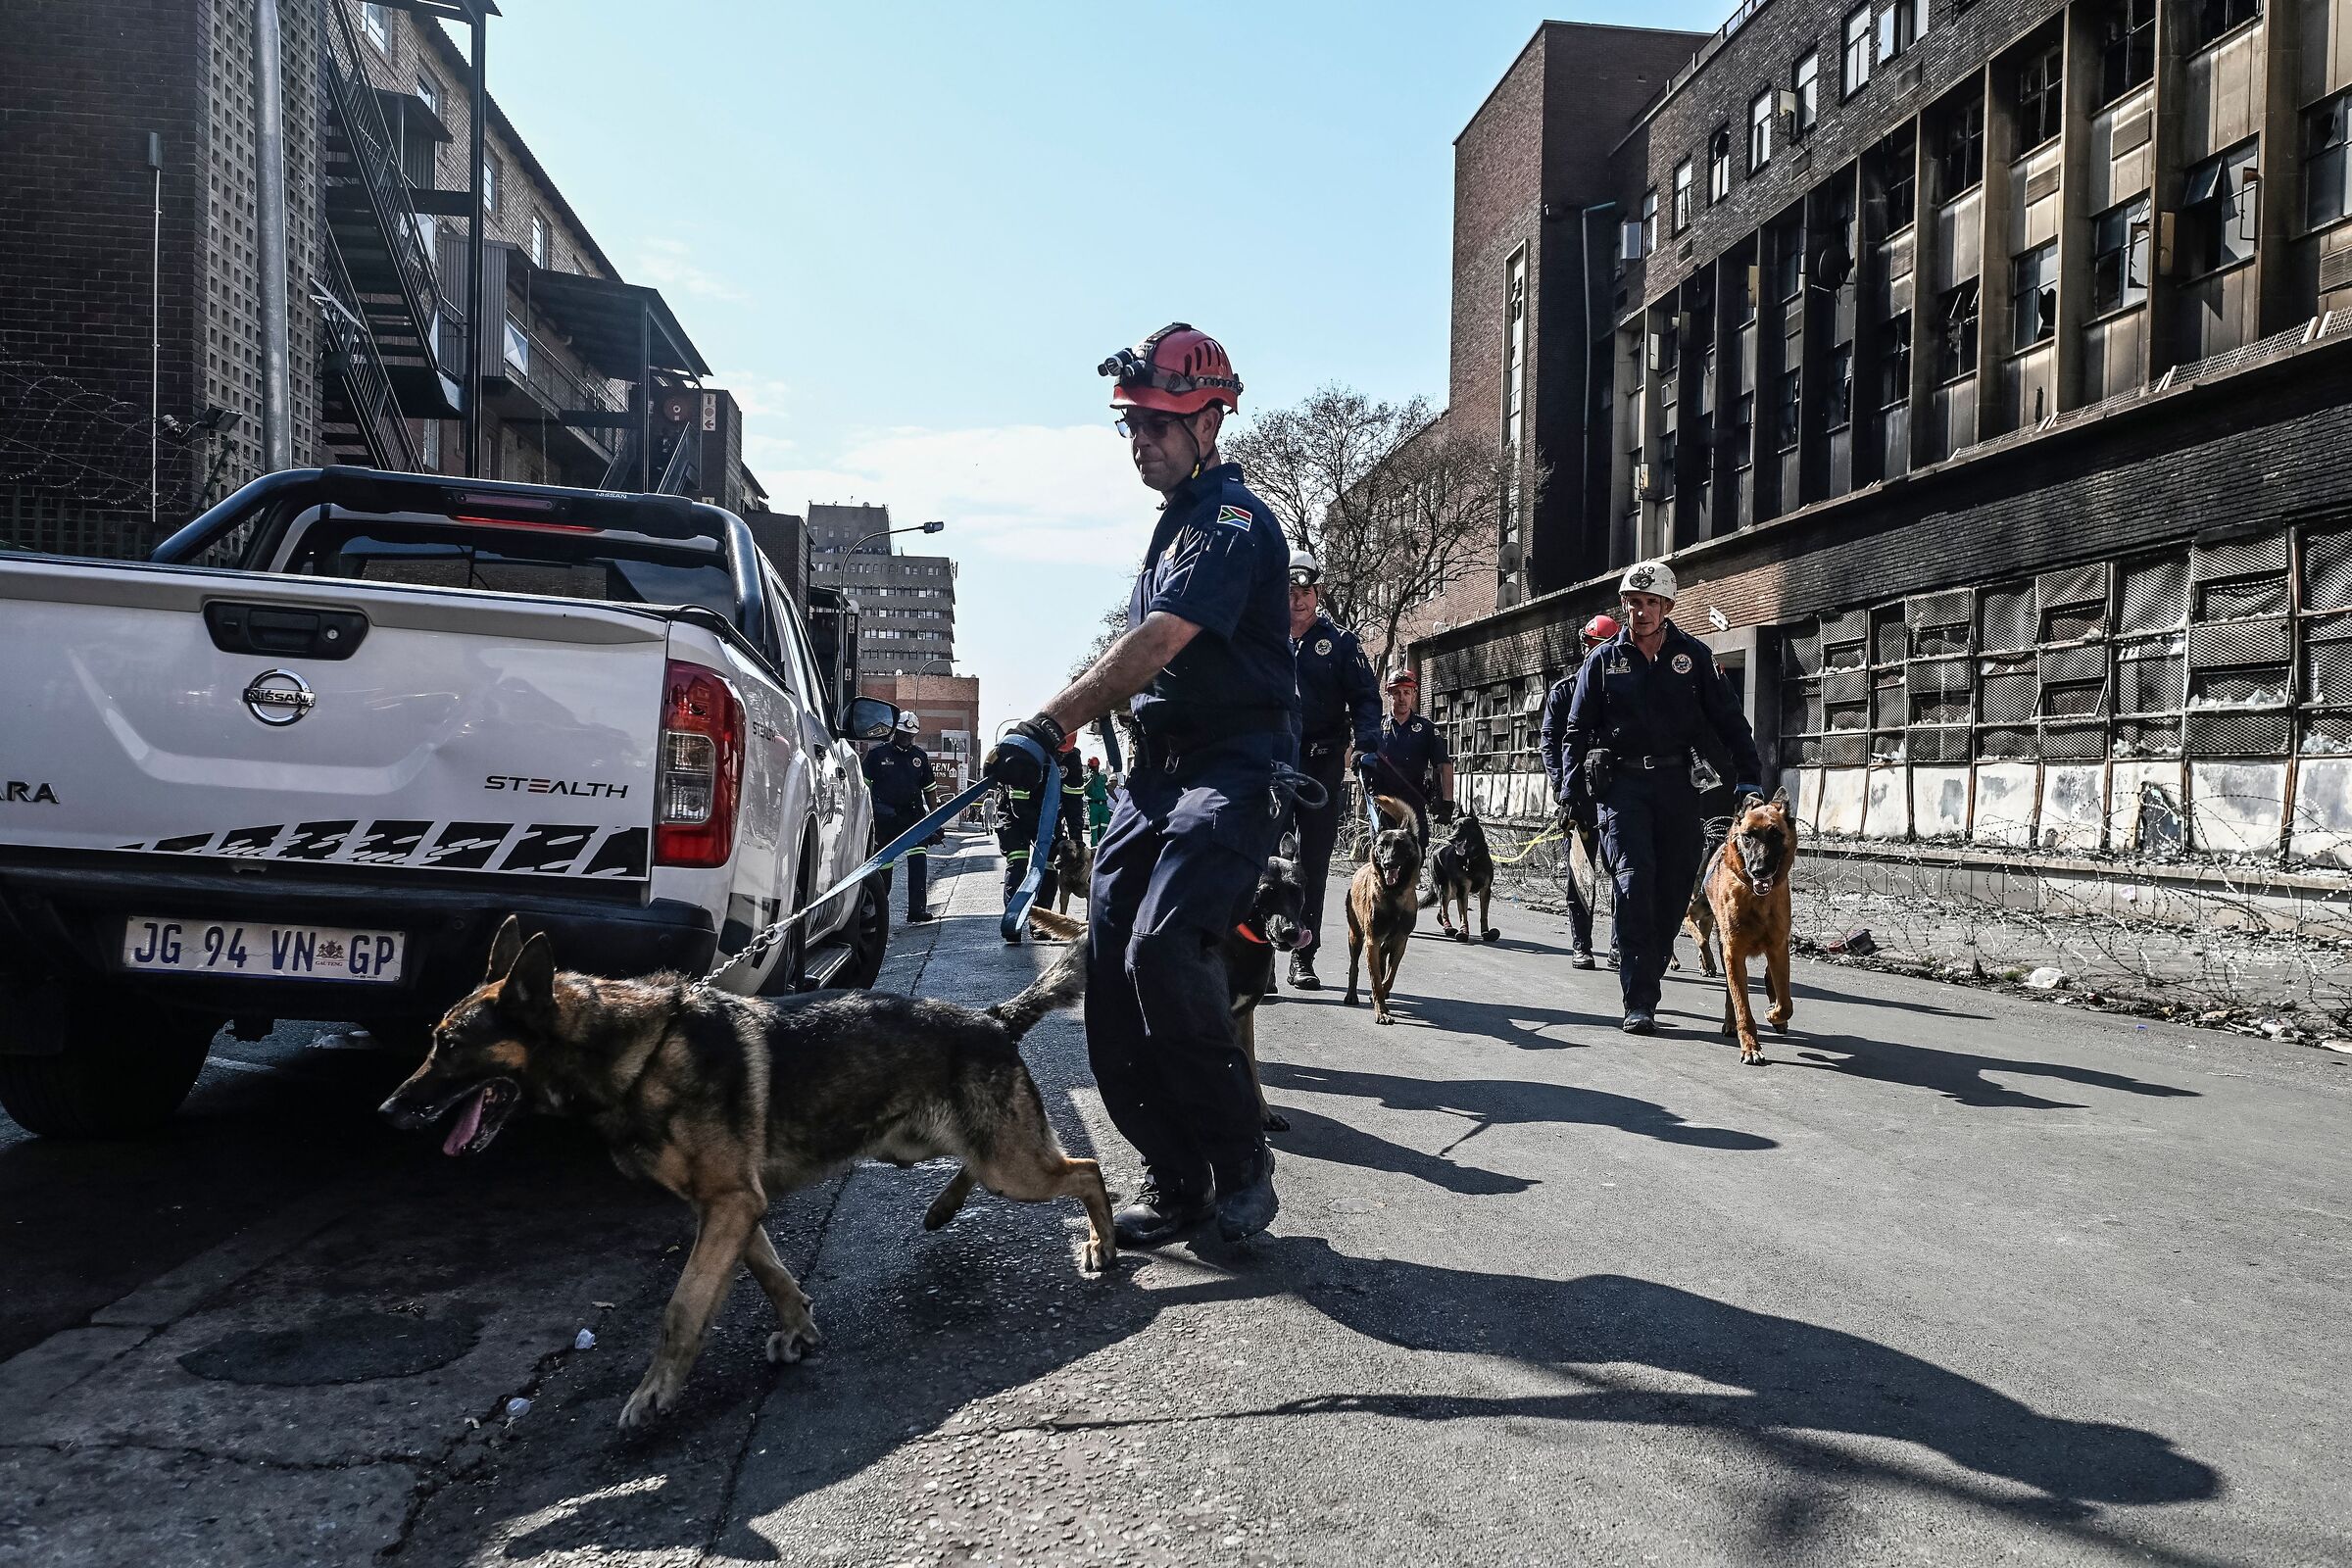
{"x": 1986, "y": 370}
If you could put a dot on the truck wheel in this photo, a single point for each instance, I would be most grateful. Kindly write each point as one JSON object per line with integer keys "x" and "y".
{"x": 124, "y": 1069}
{"x": 871, "y": 941}
{"x": 791, "y": 955}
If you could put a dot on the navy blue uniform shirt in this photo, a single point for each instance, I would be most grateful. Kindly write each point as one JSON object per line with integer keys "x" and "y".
{"x": 1638, "y": 706}
{"x": 1553, "y": 737}
{"x": 1338, "y": 698}
{"x": 897, "y": 774}
{"x": 1413, "y": 752}
{"x": 1219, "y": 561}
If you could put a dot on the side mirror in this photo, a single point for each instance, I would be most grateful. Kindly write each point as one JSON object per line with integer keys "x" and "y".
{"x": 868, "y": 718}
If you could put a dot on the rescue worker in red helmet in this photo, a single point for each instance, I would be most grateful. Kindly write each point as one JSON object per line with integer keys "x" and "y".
{"x": 1413, "y": 765}
{"x": 1206, "y": 670}
{"x": 1577, "y": 815}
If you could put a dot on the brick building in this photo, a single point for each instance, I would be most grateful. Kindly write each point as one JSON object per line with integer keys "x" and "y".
{"x": 949, "y": 706}
{"x": 587, "y": 379}
{"x": 1985, "y": 371}
{"x": 905, "y": 604}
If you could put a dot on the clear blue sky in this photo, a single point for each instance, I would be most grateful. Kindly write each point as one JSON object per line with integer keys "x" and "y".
{"x": 905, "y": 234}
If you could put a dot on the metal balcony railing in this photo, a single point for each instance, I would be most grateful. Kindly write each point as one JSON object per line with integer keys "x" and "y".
{"x": 358, "y": 371}
{"x": 678, "y": 475}
{"x": 375, "y": 178}
{"x": 526, "y": 360}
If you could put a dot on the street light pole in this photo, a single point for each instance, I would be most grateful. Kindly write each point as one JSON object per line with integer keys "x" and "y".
{"x": 933, "y": 526}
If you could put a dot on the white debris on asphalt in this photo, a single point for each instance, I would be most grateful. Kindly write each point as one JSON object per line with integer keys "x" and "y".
{"x": 2047, "y": 979}
{"x": 518, "y": 1408}
{"x": 583, "y": 1341}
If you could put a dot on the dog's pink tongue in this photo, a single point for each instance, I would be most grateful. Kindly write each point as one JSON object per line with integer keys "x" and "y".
{"x": 469, "y": 1122}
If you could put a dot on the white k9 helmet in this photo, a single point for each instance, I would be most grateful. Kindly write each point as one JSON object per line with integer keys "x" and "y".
{"x": 1306, "y": 570}
{"x": 908, "y": 724}
{"x": 1647, "y": 577}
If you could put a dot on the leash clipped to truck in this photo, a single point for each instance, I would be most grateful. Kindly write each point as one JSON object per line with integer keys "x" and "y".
{"x": 891, "y": 853}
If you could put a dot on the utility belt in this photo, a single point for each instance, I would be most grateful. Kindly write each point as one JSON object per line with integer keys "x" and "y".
{"x": 1167, "y": 740}
{"x": 1650, "y": 764}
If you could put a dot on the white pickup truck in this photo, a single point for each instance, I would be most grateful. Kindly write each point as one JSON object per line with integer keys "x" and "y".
{"x": 302, "y": 762}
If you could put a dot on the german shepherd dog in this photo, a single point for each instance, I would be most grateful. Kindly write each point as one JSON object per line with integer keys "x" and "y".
{"x": 1384, "y": 904}
{"x": 1073, "y": 866}
{"x": 1743, "y": 894}
{"x": 729, "y": 1101}
{"x": 1463, "y": 865}
{"x": 1269, "y": 926}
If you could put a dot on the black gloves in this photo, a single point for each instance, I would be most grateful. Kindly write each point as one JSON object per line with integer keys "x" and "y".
{"x": 1442, "y": 812}
{"x": 1015, "y": 768}
{"x": 1601, "y": 770}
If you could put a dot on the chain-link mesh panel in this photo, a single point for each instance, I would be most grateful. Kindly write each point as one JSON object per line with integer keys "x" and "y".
{"x": 2074, "y": 701}
{"x": 2235, "y": 688}
{"x": 1939, "y": 707}
{"x": 1888, "y": 639}
{"x": 2327, "y": 674}
{"x": 1939, "y": 623}
{"x": 2238, "y": 558}
{"x": 2155, "y": 594}
{"x": 2074, "y": 623}
{"x": 2006, "y": 620}
{"x": 1801, "y": 708}
{"x": 1844, "y": 716}
{"x": 2074, "y": 586}
{"x": 2240, "y": 642}
{"x": 1847, "y": 626}
{"x": 2007, "y": 699}
{"x": 2236, "y": 734}
{"x": 2149, "y": 678}
{"x": 2088, "y": 662}
{"x": 2242, "y": 598}
{"x": 2326, "y": 629}
{"x": 1800, "y": 648}
{"x": 1939, "y": 744}
{"x": 1845, "y": 750}
{"x": 2327, "y": 571}
{"x": 1845, "y": 686}
{"x": 2002, "y": 742}
{"x": 2149, "y": 737}
{"x": 1888, "y": 706}
{"x": 2074, "y": 743}
{"x": 2327, "y": 735}
{"x": 1800, "y": 750}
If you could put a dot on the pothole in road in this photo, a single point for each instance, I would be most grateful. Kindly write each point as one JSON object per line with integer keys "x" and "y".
{"x": 353, "y": 1348}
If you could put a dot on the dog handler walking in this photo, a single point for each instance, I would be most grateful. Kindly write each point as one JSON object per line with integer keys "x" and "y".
{"x": 1205, "y": 666}
{"x": 1641, "y": 702}
{"x": 1576, "y": 808}
{"x": 1339, "y": 702}
{"x": 899, "y": 772}
{"x": 1411, "y": 755}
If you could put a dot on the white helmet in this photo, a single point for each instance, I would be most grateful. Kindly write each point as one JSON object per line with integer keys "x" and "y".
{"x": 1306, "y": 570}
{"x": 908, "y": 724}
{"x": 1647, "y": 577}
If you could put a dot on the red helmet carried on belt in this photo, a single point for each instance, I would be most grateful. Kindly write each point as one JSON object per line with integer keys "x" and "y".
{"x": 1599, "y": 629}
{"x": 1177, "y": 370}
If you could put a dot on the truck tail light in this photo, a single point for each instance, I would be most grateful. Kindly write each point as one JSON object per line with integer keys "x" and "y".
{"x": 701, "y": 767}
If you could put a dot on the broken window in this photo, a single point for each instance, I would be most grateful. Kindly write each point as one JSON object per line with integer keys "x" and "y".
{"x": 2034, "y": 296}
{"x": 2119, "y": 256}
{"x": 1960, "y": 156}
{"x": 2127, "y": 47}
{"x": 2041, "y": 97}
{"x": 1956, "y": 308}
{"x": 2327, "y": 169}
{"x": 2219, "y": 210}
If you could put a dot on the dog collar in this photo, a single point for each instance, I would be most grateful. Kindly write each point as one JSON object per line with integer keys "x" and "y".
{"x": 1241, "y": 929}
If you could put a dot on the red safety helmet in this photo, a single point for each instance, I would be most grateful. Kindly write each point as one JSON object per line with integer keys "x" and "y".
{"x": 1599, "y": 629}
{"x": 1401, "y": 677}
{"x": 1177, "y": 370}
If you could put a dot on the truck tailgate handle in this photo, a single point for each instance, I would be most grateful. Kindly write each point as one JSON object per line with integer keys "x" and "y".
{"x": 285, "y": 632}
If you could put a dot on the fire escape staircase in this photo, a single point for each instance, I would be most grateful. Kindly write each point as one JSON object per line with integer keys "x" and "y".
{"x": 361, "y": 411}
{"x": 378, "y": 244}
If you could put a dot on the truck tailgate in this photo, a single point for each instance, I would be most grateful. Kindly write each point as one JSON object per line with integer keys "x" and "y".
{"x": 466, "y": 733}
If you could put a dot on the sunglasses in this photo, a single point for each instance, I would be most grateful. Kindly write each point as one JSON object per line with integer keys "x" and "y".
{"x": 1151, "y": 426}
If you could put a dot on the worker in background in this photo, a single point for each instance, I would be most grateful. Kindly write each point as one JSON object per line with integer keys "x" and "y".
{"x": 1578, "y": 823}
{"x": 1643, "y": 703}
{"x": 1338, "y": 707}
{"x": 1206, "y": 667}
{"x": 1098, "y": 799}
{"x": 898, "y": 773}
{"x": 1412, "y": 764}
{"x": 1016, "y": 835}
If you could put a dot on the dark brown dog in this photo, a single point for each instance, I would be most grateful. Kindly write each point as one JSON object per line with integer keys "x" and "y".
{"x": 1384, "y": 904}
{"x": 729, "y": 1101}
{"x": 1073, "y": 866}
{"x": 1270, "y": 926}
{"x": 1746, "y": 889}
{"x": 1463, "y": 865}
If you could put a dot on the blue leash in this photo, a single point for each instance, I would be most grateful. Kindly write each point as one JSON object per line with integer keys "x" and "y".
{"x": 1049, "y": 784}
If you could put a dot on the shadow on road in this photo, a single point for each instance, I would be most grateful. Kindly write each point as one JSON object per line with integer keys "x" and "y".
{"x": 1521, "y": 1024}
{"x": 1958, "y": 1075}
{"x": 1483, "y": 1103}
{"x": 1321, "y": 1138}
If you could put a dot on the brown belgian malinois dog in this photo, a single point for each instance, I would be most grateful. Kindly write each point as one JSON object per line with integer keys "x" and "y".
{"x": 1743, "y": 894}
{"x": 730, "y": 1101}
{"x": 1384, "y": 904}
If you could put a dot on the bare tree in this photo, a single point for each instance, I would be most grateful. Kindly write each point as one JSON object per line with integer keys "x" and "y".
{"x": 1395, "y": 504}
{"x": 1107, "y": 630}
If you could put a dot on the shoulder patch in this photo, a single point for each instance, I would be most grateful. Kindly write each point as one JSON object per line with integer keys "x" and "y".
{"x": 1235, "y": 517}
{"x": 1323, "y": 646}
{"x": 1682, "y": 664}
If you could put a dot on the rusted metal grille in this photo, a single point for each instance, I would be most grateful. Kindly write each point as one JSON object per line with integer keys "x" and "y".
{"x": 2006, "y": 620}
{"x": 2251, "y": 687}
{"x": 2002, "y": 742}
{"x": 1845, "y": 686}
{"x": 1845, "y": 750}
{"x": 2155, "y": 594}
{"x": 2238, "y": 558}
{"x": 2236, "y": 734}
{"x": 2151, "y": 737}
{"x": 1845, "y": 716}
{"x": 1847, "y": 626}
{"x": 2074, "y": 623}
{"x": 2074, "y": 743}
{"x": 1888, "y": 639}
{"x": 1888, "y": 706}
{"x": 1939, "y": 744}
{"x": 2241, "y": 642}
{"x": 2074, "y": 701}
{"x": 2149, "y": 677}
{"x": 1938, "y": 622}
{"x": 2088, "y": 662}
{"x": 2241, "y": 598}
{"x": 2328, "y": 570}
{"x": 2074, "y": 586}
{"x": 2008, "y": 690}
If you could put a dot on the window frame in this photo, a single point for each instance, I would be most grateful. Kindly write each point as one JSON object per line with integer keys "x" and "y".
{"x": 2204, "y": 216}
{"x": 1805, "y": 79}
{"x": 2034, "y": 280}
{"x": 1901, "y": 24}
{"x": 1963, "y": 133}
{"x": 1788, "y": 411}
{"x": 1855, "y": 58}
{"x": 1841, "y": 386}
{"x": 1759, "y": 131}
{"x": 375, "y": 22}
{"x": 1718, "y": 164}
{"x": 2216, "y": 20}
{"x": 1895, "y": 361}
{"x": 428, "y": 91}
{"x": 2337, "y": 109}
{"x": 1683, "y": 192}
{"x": 1968, "y": 292}
{"x": 2124, "y": 44}
{"x": 490, "y": 180}
{"x": 542, "y": 248}
{"x": 2138, "y": 231}
{"x": 2042, "y": 97}
{"x": 1649, "y": 221}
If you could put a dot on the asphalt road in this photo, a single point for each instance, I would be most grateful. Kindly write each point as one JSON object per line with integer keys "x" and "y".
{"x": 1958, "y": 1278}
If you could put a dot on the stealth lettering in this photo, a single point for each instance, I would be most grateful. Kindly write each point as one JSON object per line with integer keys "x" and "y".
{"x": 555, "y": 786}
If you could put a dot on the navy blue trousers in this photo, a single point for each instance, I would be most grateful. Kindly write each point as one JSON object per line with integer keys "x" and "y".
{"x": 889, "y": 822}
{"x": 1173, "y": 875}
{"x": 1651, "y": 841}
{"x": 1318, "y": 834}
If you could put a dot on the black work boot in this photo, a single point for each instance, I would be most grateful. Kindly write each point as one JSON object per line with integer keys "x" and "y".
{"x": 1157, "y": 1215}
{"x": 1302, "y": 972}
{"x": 1247, "y": 1204}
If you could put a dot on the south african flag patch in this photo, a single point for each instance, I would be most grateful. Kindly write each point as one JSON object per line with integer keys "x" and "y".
{"x": 1234, "y": 516}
